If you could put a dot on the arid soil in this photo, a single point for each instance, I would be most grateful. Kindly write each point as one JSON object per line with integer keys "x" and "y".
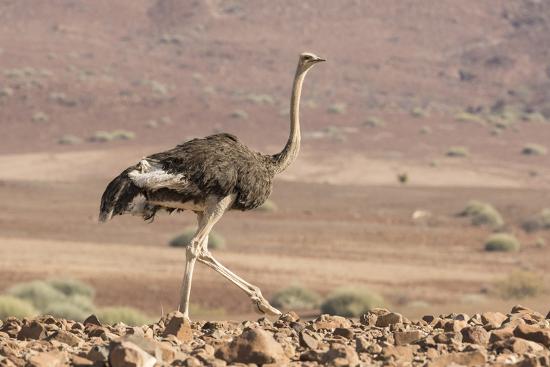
{"x": 378, "y": 338}
{"x": 390, "y": 101}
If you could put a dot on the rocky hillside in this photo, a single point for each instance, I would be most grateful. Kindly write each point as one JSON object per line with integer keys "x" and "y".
{"x": 380, "y": 337}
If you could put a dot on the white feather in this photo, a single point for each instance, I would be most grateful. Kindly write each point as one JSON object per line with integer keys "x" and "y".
{"x": 151, "y": 177}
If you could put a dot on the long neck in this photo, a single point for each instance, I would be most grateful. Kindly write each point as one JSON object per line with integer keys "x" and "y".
{"x": 289, "y": 153}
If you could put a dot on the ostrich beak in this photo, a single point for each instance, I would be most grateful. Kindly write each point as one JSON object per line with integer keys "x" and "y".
{"x": 320, "y": 59}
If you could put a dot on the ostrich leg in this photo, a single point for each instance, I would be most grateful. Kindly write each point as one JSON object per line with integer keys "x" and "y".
{"x": 213, "y": 212}
{"x": 251, "y": 290}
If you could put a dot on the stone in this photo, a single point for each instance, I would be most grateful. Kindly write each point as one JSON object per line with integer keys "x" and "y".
{"x": 99, "y": 354}
{"x": 340, "y": 355}
{"x": 180, "y": 327}
{"x": 493, "y": 319}
{"x": 501, "y": 334}
{"x": 48, "y": 359}
{"x": 79, "y": 361}
{"x": 477, "y": 358}
{"x": 343, "y": 332}
{"x": 66, "y": 337}
{"x": 127, "y": 354}
{"x": 361, "y": 344}
{"x": 455, "y": 325}
{"x": 533, "y": 333}
{"x": 92, "y": 320}
{"x": 33, "y": 330}
{"x": 402, "y": 353}
{"x": 331, "y": 322}
{"x": 448, "y": 338}
{"x": 252, "y": 346}
{"x": 475, "y": 335}
{"x": 308, "y": 339}
{"x": 406, "y": 337}
{"x": 388, "y": 319}
{"x": 368, "y": 319}
{"x": 290, "y": 316}
{"x": 522, "y": 346}
{"x": 520, "y": 309}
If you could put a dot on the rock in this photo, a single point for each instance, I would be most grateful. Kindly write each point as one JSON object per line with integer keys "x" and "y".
{"x": 406, "y": 337}
{"x": 475, "y": 335}
{"x": 79, "y": 361}
{"x": 180, "y": 327}
{"x": 403, "y": 353}
{"x": 533, "y": 333}
{"x": 522, "y": 346}
{"x": 252, "y": 346}
{"x": 66, "y": 337}
{"x": 501, "y": 334}
{"x": 476, "y": 358}
{"x": 368, "y": 319}
{"x": 309, "y": 339}
{"x": 448, "y": 338}
{"x": 92, "y": 320}
{"x": 331, "y": 322}
{"x": 391, "y": 318}
{"x": 33, "y": 330}
{"x": 361, "y": 345}
{"x": 493, "y": 319}
{"x": 289, "y": 317}
{"x": 455, "y": 325}
{"x": 340, "y": 355}
{"x": 127, "y": 354}
{"x": 520, "y": 309}
{"x": 343, "y": 332}
{"x": 99, "y": 354}
{"x": 548, "y": 316}
{"x": 48, "y": 359}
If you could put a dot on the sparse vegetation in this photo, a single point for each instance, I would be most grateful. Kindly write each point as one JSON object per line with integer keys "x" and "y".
{"x": 502, "y": 242}
{"x": 469, "y": 117}
{"x": 239, "y": 114}
{"x": 337, "y": 108}
{"x": 261, "y": 99}
{"x": 520, "y": 284}
{"x": 457, "y": 151}
{"x": 268, "y": 206}
{"x": 122, "y": 135}
{"x": 72, "y": 287}
{"x": 425, "y": 130}
{"x": 403, "y": 177}
{"x": 537, "y": 222}
{"x": 295, "y": 298}
{"x": 215, "y": 241}
{"x": 69, "y": 140}
{"x": 482, "y": 213}
{"x": 39, "y": 293}
{"x": 66, "y": 310}
{"x": 533, "y": 149}
{"x": 374, "y": 122}
{"x": 106, "y": 136}
{"x": 419, "y": 112}
{"x": 13, "y": 306}
{"x": 128, "y": 315}
{"x": 351, "y": 302}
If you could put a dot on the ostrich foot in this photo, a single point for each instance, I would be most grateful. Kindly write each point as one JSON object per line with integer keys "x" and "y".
{"x": 264, "y": 306}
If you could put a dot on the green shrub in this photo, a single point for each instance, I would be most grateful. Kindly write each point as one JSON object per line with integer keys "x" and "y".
{"x": 267, "y": 206}
{"x": 123, "y": 135}
{"x": 403, "y": 177}
{"x": 128, "y": 315}
{"x": 502, "y": 242}
{"x": 39, "y": 293}
{"x": 69, "y": 140}
{"x": 533, "y": 149}
{"x": 337, "y": 108}
{"x": 482, "y": 213}
{"x": 101, "y": 137}
{"x": 295, "y": 298}
{"x": 351, "y": 302}
{"x": 239, "y": 114}
{"x": 469, "y": 117}
{"x": 537, "y": 222}
{"x": 12, "y": 306}
{"x": 425, "y": 130}
{"x": 374, "y": 122}
{"x": 261, "y": 99}
{"x": 40, "y": 117}
{"x": 457, "y": 151}
{"x": 419, "y": 112}
{"x": 72, "y": 287}
{"x": 66, "y": 310}
{"x": 215, "y": 241}
{"x": 520, "y": 284}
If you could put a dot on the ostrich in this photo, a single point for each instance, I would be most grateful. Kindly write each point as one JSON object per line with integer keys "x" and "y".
{"x": 208, "y": 176}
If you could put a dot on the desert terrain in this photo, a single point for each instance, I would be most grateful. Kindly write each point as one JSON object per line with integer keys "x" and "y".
{"x": 447, "y": 93}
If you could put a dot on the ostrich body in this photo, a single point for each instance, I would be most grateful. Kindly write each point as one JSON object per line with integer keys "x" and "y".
{"x": 208, "y": 176}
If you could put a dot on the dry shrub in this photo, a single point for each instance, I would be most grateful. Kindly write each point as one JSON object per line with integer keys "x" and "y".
{"x": 351, "y": 302}
{"x": 520, "y": 284}
{"x": 296, "y": 298}
{"x": 502, "y": 242}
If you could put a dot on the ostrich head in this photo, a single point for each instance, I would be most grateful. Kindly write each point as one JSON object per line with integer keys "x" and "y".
{"x": 307, "y": 60}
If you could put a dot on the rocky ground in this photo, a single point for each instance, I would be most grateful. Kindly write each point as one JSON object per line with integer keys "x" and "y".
{"x": 379, "y": 337}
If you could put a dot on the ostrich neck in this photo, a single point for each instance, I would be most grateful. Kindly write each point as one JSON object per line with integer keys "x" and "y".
{"x": 292, "y": 147}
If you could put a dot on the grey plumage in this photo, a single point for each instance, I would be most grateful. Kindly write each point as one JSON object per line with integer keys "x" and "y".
{"x": 216, "y": 165}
